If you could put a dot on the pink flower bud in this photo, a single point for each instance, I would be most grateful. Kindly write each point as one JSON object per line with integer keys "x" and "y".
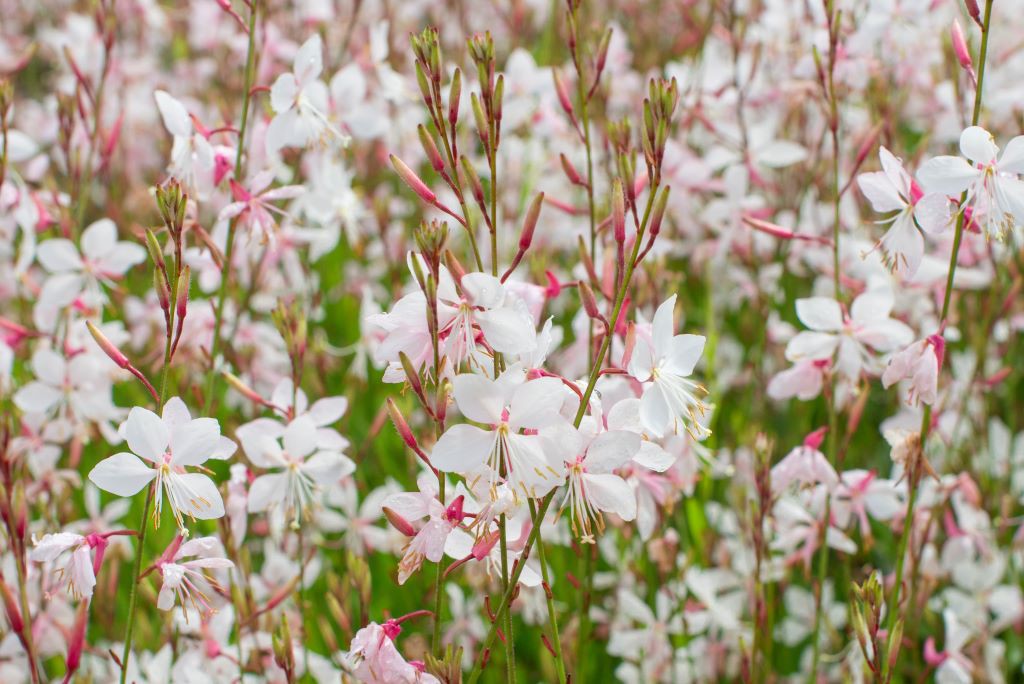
{"x": 77, "y": 642}
{"x": 454, "y": 511}
{"x": 399, "y": 523}
{"x": 618, "y": 212}
{"x": 413, "y": 181}
{"x": 814, "y": 440}
{"x": 107, "y": 346}
{"x": 563, "y": 93}
{"x": 963, "y": 55}
{"x": 484, "y": 544}
{"x": 11, "y": 607}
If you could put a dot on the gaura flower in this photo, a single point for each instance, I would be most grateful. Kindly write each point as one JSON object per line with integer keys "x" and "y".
{"x": 162, "y": 447}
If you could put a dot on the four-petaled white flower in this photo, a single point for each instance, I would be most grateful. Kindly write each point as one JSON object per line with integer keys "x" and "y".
{"x": 429, "y": 541}
{"x": 593, "y": 485}
{"x": 192, "y": 156}
{"x": 993, "y": 189}
{"x": 300, "y": 101}
{"x": 161, "y": 449}
{"x": 892, "y": 189}
{"x": 506, "y": 406}
{"x": 306, "y": 466}
{"x": 666, "y": 361}
{"x": 848, "y": 337}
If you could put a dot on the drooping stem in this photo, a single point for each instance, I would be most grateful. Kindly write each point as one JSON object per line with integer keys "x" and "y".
{"x": 926, "y": 416}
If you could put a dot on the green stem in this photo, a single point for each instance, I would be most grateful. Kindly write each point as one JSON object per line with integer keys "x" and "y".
{"x": 133, "y": 597}
{"x": 556, "y": 639}
{"x": 913, "y": 469}
{"x": 250, "y": 74}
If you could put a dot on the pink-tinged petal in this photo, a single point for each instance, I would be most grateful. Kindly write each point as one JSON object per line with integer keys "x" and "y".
{"x": 946, "y": 175}
{"x": 654, "y": 410}
{"x": 611, "y": 450}
{"x": 478, "y": 398}
{"x": 934, "y": 213}
{"x": 37, "y": 397}
{"x": 611, "y": 493}
{"x": 872, "y": 305}
{"x": 146, "y": 434}
{"x": 683, "y": 354}
{"x": 642, "y": 361}
{"x": 432, "y": 539}
{"x": 192, "y": 443}
{"x": 1012, "y": 158}
{"x": 232, "y": 210}
{"x": 308, "y": 61}
{"x": 507, "y": 330}
{"x": 58, "y": 255}
{"x": 462, "y": 448}
{"x": 880, "y": 191}
{"x": 894, "y": 171}
{"x": 99, "y": 238}
{"x": 820, "y": 313}
{"x": 300, "y": 437}
{"x": 266, "y": 491}
{"x": 663, "y": 328}
{"x": 977, "y": 145}
{"x": 536, "y": 404}
{"x": 195, "y": 495}
{"x": 174, "y": 114}
{"x": 283, "y": 192}
{"x": 122, "y": 474}
{"x": 812, "y": 346}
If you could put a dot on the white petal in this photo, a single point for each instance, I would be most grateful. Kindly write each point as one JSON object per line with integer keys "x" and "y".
{"x": 146, "y": 434}
{"x": 880, "y": 191}
{"x": 507, "y": 330}
{"x": 99, "y": 238}
{"x": 933, "y": 213}
{"x": 654, "y": 411}
{"x": 308, "y": 61}
{"x": 193, "y": 443}
{"x": 462, "y": 448}
{"x": 536, "y": 404}
{"x": 684, "y": 353}
{"x": 36, "y": 397}
{"x": 811, "y": 345}
{"x": 483, "y": 290}
{"x": 327, "y": 467}
{"x": 300, "y": 437}
{"x": 977, "y": 145}
{"x": 1012, "y": 158}
{"x": 781, "y": 153}
{"x": 663, "y": 328}
{"x": 58, "y": 255}
{"x": 174, "y": 114}
{"x": 328, "y": 410}
{"x": 872, "y": 305}
{"x": 283, "y": 92}
{"x": 195, "y": 495}
{"x": 266, "y": 491}
{"x": 122, "y": 474}
{"x": 611, "y": 493}
{"x": 611, "y": 450}
{"x": 947, "y": 175}
{"x": 820, "y": 313}
{"x": 478, "y": 398}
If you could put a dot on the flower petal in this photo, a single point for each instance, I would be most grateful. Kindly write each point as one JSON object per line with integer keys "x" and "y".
{"x": 462, "y": 448}
{"x": 146, "y": 434}
{"x": 122, "y": 474}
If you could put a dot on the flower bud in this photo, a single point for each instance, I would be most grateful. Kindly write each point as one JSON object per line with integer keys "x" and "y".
{"x": 618, "y": 212}
{"x": 399, "y": 523}
{"x": 107, "y": 346}
{"x": 413, "y": 181}
{"x": 963, "y": 54}
{"x": 430, "y": 148}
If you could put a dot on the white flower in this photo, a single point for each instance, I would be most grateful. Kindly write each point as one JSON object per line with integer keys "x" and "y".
{"x": 305, "y": 467}
{"x": 429, "y": 542}
{"x": 192, "y": 157}
{"x": 892, "y": 189}
{"x": 185, "y": 581}
{"x": 848, "y": 337}
{"x": 300, "y": 101}
{"x": 593, "y": 485}
{"x": 670, "y": 400}
{"x": 75, "y": 568}
{"x": 506, "y": 405}
{"x": 991, "y": 183}
{"x": 169, "y": 444}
